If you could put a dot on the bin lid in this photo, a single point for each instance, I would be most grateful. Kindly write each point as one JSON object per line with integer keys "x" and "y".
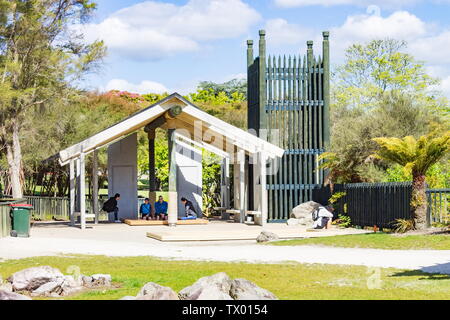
{"x": 21, "y": 205}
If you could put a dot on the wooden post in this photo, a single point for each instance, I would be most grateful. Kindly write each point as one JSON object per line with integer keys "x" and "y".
{"x": 151, "y": 166}
{"x": 173, "y": 195}
{"x": 326, "y": 88}
{"x": 262, "y": 82}
{"x": 242, "y": 186}
{"x": 77, "y": 178}
{"x": 263, "y": 182}
{"x": 225, "y": 183}
{"x": 82, "y": 189}
{"x": 72, "y": 191}
{"x": 95, "y": 186}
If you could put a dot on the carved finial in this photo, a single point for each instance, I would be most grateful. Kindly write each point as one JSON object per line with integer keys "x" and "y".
{"x": 326, "y": 35}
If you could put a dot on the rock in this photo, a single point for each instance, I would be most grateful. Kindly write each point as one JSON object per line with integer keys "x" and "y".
{"x": 153, "y": 291}
{"x": 86, "y": 281}
{"x": 128, "y": 298}
{"x": 101, "y": 280}
{"x": 293, "y": 222}
{"x": 48, "y": 288}
{"x": 6, "y": 287}
{"x": 71, "y": 286}
{"x": 267, "y": 236}
{"x": 304, "y": 212}
{"x": 6, "y": 295}
{"x": 242, "y": 289}
{"x": 215, "y": 287}
{"x": 32, "y": 278}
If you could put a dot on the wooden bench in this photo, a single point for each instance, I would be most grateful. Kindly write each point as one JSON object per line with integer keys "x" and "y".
{"x": 224, "y": 214}
{"x": 255, "y": 217}
{"x": 87, "y": 215}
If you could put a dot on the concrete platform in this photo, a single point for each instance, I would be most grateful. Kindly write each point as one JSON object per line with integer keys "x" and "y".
{"x": 223, "y": 231}
{"x": 137, "y": 223}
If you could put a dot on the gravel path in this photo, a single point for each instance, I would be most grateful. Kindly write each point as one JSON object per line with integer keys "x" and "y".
{"x": 433, "y": 261}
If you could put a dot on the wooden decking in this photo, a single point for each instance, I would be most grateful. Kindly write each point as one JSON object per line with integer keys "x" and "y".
{"x": 137, "y": 223}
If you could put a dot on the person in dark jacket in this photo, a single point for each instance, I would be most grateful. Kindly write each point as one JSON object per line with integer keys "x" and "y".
{"x": 189, "y": 207}
{"x": 111, "y": 206}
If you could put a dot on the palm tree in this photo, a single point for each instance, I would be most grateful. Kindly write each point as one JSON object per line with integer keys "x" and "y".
{"x": 416, "y": 156}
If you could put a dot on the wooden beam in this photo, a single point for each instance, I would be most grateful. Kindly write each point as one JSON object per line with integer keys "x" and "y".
{"x": 72, "y": 191}
{"x": 242, "y": 185}
{"x": 82, "y": 189}
{"x": 95, "y": 186}
{"x": 173, "y": 195}
{"x": 264, "y": 204}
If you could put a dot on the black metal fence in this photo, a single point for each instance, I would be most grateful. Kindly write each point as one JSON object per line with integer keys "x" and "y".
{"x": 369, "y": 204}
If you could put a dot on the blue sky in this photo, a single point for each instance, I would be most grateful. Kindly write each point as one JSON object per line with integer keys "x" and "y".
{"x": 157, "y": 46}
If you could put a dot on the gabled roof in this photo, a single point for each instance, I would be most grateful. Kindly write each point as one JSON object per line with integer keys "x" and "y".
{"x": 191, "y": 117}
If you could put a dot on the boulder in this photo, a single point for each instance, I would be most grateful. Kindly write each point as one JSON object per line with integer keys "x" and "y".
{"x": 242, "y": 289}
{"x": 304, "y": 211}
{"x": 86, "y": 281}
{"x": 293, "y": 222}
{"x": 101, "y": 280}
{"x": 6, "y": 295}
{"x": 71, "y": 286}
{"x": 153, "y": 291}
{"x": 215, "y": 287}
{"x": 32, "y": 278}
{"x": 6, "y": 287}
{"x": 267, "y": 236}
{"x": 49, "y": 288}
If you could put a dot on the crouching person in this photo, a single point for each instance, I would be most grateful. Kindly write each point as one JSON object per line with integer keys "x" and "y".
{"x": 323, "y": 217}
{"x": 190, "y": 213}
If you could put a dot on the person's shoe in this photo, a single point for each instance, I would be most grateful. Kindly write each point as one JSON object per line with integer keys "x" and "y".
{"x": 118, "y": 221}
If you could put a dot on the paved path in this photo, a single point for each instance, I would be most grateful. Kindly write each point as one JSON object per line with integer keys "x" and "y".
{"x": 434, "y": 261}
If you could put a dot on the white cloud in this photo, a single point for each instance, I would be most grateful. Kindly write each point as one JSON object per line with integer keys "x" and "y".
{"x": 280, "y": 32}
{"x": 143, "y": 87}
{"x": 152, "y": 30}
{"x": 384, "y": 4}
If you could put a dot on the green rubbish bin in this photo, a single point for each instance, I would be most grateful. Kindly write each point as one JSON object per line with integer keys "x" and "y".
{"x": 20, "y": 218}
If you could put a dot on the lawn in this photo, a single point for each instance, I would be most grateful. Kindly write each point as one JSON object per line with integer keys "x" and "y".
{"x": 376, "y": 241}
{"x": 287, "y": 281}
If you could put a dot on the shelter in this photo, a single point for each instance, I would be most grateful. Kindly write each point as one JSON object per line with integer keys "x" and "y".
{"x": 189, "y": 130}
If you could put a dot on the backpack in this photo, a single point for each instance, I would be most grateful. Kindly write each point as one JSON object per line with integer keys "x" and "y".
{"x": 315, "y": 214}
{"x": 107, "y": 206}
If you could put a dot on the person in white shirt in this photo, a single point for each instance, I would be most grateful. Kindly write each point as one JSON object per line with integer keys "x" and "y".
{"x": 323, "y": 217}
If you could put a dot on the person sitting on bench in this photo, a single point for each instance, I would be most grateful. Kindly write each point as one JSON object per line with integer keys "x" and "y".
{"x": 111, "y": 206}
{"x": 161, "y": 209}
{"x": 191, "y": 214}
{"x": 146, "y": 210}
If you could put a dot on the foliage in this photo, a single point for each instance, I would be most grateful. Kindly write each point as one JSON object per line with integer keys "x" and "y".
{"x": 416, "y": 156}
{"x": 438, "y": 176}
{"x": 377, "y": 67}
{"x": 403, "y": 225}
{"x": 211, "y": 182}
{"x": 343, "y": 221}
{"x": 41, "y": 61}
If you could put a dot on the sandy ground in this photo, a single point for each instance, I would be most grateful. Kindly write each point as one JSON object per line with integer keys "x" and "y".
{"x": 121, "y": 240}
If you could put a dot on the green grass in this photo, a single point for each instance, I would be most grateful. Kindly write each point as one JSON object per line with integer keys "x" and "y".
{"x": 376, "y": 241}
{"x": 287, "y": 280}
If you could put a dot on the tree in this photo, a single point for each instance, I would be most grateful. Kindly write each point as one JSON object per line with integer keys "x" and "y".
{"x": 377, "y": 67}
{"x": 416, "y": 157}
{"x": 41, "y": 57}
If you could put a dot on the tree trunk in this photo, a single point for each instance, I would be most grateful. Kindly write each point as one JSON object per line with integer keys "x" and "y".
{"x": 14, "y": 158}
{"x": 419, "y": 201}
